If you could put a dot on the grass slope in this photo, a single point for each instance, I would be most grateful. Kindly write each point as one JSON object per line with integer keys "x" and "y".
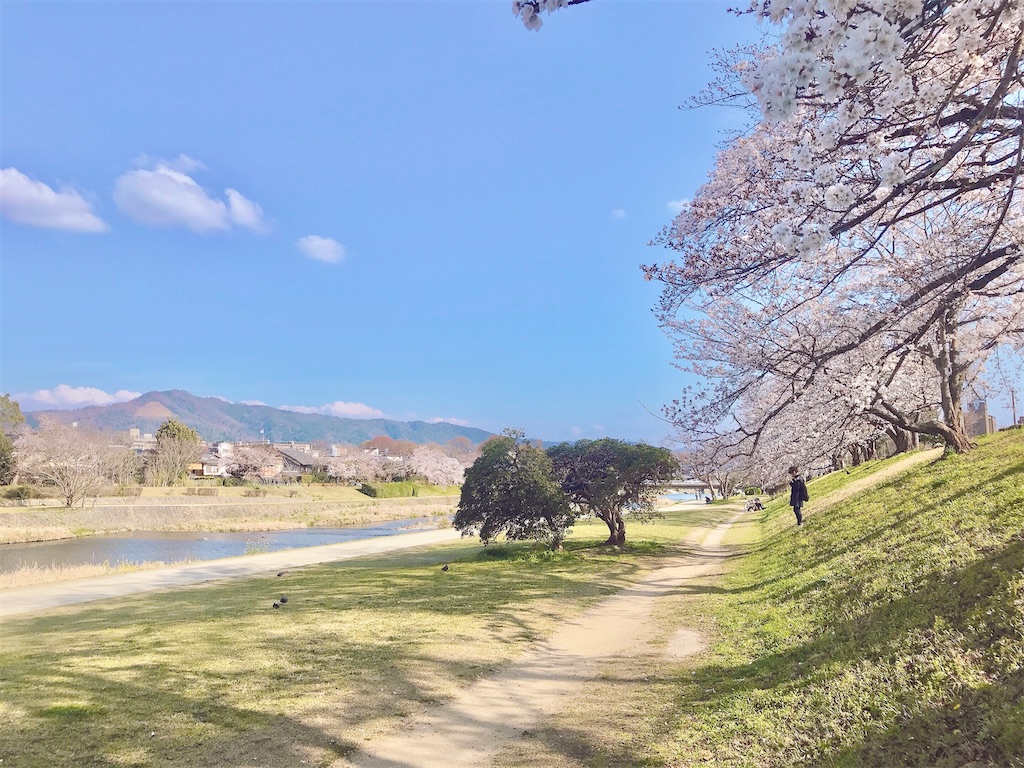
{"x": 888, "y": 631}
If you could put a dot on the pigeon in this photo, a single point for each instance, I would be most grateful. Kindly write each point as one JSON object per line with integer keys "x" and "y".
{"x": 283, "y": 599}
{"x": 444, "y": 567}
{"x": 277, "y": 605}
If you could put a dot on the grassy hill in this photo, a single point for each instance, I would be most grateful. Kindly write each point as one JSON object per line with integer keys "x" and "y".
{"x": 215, "y": 419}
{"x": 888, "y": 631}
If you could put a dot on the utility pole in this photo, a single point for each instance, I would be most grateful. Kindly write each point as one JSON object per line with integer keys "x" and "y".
{"x": 1013, "y": 405}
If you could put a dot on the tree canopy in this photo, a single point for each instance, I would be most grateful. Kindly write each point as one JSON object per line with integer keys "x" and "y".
{"x": 10, "y": 419}
{"x": 509, "y": 490}
{"x": 177, "y": 446}
{"x": 609, "y": 478}
{"x": 855, "y": 259}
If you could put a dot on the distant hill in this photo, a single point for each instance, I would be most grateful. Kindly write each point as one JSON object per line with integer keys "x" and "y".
{"x": 215, "y": 419}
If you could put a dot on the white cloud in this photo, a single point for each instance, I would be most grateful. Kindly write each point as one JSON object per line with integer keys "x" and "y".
{"x": 676, "y": 206}
{"x": 619, "y": 213}
{"x": 182, "y": 163}
{"x": 301, "y": 408}
{"x": 63, "y": 397}
{"x": 167, "y": 196}
{"x": 35, "y": 204}
{"x": 338, "y": 408}
{"x": 449, "y": 420}
{"x": 244, "y": 212}
{"x": 353, "y": 410}
{"x": 253, "y": 402}
{"x": 321, "y": 248}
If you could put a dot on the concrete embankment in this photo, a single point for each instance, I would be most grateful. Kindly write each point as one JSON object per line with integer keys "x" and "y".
{"x": 22, "y": 524}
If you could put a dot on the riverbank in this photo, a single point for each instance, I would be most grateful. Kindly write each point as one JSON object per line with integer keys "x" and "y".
{"x": 182, "y": 513}
{"x": 40, "y": 597}
{"x": 212, "y": 674}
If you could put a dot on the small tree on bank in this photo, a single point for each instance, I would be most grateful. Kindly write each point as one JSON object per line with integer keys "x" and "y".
{"x": 64, "y": 457}
{"x": 11, "y": 419}
{"x": 509, "y": 489}
{"x": 608, "y": 477}
{"x": 177, "y": 446}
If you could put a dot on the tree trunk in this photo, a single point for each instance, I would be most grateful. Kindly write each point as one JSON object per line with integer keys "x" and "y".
{"x": 903, "y": 439}
{"x": 855, "y": 455}
{"x": 952, "y": 371}
{"x": 616, "y": 529}
{"x": 620, "y": 531}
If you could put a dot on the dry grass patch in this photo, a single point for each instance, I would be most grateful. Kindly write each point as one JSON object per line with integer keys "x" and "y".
{"x": 34, "y": 573}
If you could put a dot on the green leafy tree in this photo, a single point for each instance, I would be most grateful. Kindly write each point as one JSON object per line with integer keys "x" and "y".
{"x": 10, "y": 419}
{"x": 509, "y": 489}
{"x": 609, "y": 478}
{"x": 177, "y": 446}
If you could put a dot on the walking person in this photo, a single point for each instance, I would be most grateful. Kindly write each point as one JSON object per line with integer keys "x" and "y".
{"x": 797, "y": 494}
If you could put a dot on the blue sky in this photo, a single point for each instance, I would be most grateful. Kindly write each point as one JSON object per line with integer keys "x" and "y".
{"x": 420, "y": 210}
{"x": 417, "y": 210}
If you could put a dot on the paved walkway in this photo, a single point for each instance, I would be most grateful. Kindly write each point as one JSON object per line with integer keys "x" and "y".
{"x": 40, "y": 597}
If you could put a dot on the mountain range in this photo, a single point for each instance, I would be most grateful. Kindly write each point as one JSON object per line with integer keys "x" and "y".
{"x": 216, "y": 419}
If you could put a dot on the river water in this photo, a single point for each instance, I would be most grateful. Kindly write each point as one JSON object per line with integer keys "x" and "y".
{"x": 176, "y": 546}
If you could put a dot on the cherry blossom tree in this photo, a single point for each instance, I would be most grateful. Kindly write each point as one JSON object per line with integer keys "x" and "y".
{"x": 124, "y": 466}
{"x": 253, "y": 462}
{"x": 62, "y": 456}
{"x": 431, "y": 463}
{"x": 463, "y": 449}
{"x": 856, "y": 256}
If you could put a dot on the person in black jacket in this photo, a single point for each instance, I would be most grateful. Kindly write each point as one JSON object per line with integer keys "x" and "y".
{"x": 797, "y": 493}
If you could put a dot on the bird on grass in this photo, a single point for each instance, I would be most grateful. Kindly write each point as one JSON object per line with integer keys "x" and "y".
{"x": 444, "y": 567}
{"x": 282, "y": 573}
{"x": 283, "y": 599}
{"x": 277, "y": 605}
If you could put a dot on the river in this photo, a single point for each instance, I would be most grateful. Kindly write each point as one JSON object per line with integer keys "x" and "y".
{"x": 178, "y": 546}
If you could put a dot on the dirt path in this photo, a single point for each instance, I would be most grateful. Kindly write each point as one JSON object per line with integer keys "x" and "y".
{"x": 876, "y": 478}
{"x": 468, "y": 731}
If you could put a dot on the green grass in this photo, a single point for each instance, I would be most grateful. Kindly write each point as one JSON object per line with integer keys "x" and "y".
{"x": 213, "y": 675}
{"x": 888, "y": 631}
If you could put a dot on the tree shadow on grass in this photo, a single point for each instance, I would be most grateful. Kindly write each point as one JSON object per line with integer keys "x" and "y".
{"x": 210, "y": 661}
{"x": 141, "y": 724}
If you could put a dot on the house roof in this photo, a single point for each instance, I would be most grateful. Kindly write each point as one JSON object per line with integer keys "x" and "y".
{"x": 299, "y": 458}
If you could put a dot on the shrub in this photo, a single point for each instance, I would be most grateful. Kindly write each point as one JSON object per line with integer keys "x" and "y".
{"x": 753, "y": 490}
{"x": 389, "y": 490}
{"x": 22, "y": 492}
